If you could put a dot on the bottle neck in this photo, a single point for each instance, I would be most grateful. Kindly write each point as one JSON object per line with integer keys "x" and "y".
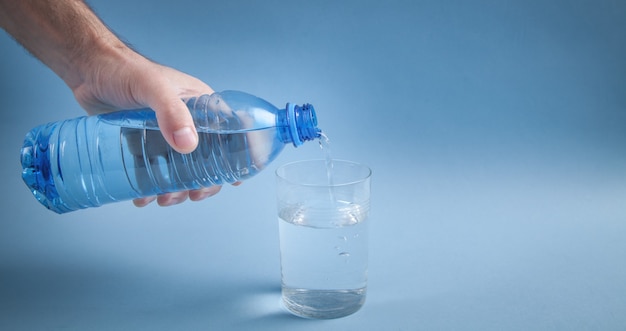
{"x": 298, "y": 124}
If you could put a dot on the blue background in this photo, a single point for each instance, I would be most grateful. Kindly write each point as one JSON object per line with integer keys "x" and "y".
{"x": 496, "y": 131}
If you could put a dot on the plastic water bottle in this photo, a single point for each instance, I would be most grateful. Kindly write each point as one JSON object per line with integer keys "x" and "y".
{"x": 94, "y": 160}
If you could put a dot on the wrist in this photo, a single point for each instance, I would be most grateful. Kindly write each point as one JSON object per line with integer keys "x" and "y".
{"x": 65, "y": 35}
{"x": 84, "y": 61}
{"x": 88, "y": 48}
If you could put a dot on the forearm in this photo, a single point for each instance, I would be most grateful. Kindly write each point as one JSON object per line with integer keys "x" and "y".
{"x": 64, "y": 34}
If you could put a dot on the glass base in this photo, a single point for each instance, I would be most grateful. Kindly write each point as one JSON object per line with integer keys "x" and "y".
{"x": 323, "y": 304}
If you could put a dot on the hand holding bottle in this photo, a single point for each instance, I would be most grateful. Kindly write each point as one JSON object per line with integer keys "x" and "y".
{"x": 104, "y": 73}
{"x": 138, "y": 83}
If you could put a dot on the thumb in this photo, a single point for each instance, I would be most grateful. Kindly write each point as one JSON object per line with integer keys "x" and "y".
{"x": 176, "y": 124}
{"x": 162, "y": 88}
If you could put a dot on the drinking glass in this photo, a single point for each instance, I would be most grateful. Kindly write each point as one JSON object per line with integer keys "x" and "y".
{"x": 323, "y": 211}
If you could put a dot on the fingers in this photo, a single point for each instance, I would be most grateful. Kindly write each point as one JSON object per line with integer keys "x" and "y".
{"x": 170, "y": 199}
{"x": 142, "y": 202}
{"x": 204, "y": 193}
{"x": 164, "y": 200}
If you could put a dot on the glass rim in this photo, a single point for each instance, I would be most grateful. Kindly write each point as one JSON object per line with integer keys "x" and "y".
{"x": 360, "y": 179}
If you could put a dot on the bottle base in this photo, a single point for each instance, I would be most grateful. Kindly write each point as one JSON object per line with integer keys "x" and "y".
{"x": 36, "y": 172}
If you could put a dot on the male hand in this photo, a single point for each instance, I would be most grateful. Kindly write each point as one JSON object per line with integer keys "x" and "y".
{"x": 105, "y": 74}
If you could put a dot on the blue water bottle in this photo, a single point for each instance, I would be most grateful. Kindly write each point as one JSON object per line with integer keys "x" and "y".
{"x": 93, "y": 160}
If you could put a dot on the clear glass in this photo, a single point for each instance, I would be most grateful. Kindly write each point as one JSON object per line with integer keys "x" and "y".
{"x": 323, "y": 215}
